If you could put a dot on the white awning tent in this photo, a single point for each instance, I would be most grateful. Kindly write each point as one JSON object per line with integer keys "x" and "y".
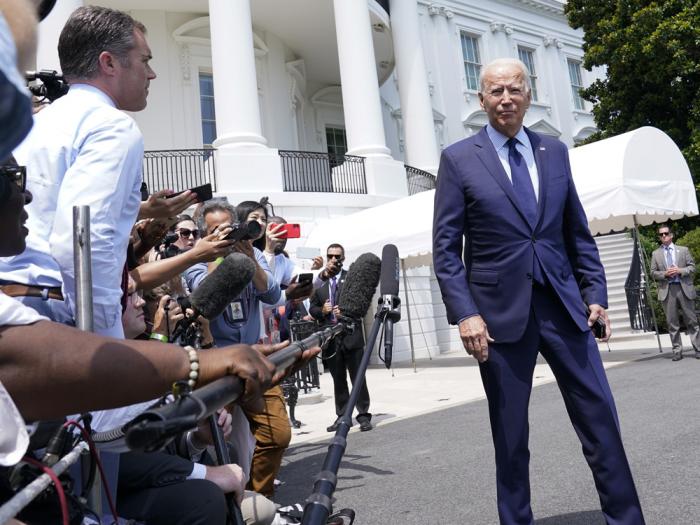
{"x": 638, "y": 175}
{"x": 641, "y": 174}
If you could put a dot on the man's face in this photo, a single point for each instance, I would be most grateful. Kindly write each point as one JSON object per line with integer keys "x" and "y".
{"x": 12, "y": 217}
{"x": 215, "y": 218}
{"x": 134, "y": 79}
{"x": 665, "y": 236}
{"x": 336, "y": 255}
{"x": 505, "y": 98}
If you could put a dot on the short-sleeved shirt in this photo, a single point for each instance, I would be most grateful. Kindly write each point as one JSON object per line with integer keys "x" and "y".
{"x": 13, "y": 433}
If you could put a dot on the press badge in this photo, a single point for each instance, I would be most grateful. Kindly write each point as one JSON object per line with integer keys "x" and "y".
{"x": 237, "y": 311}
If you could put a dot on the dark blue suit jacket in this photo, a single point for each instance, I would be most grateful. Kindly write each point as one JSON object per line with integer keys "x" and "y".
{"x": 484, "y": 247}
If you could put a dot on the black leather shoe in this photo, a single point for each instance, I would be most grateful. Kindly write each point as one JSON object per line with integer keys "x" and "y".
{"x": 365, "y": 425}
{"x": 697, "y": 355}
{"x": 334, "y": 426}
{"x": 677, "y": 357}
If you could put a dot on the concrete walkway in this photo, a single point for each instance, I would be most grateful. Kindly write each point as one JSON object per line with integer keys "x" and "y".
{"x": 447, "y": 380}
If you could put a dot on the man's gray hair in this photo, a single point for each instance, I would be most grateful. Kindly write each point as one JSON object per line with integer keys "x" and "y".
{"x": 210, "y": 207}
{"x": 89, "y": 31}
{"x": 500, "y": 62}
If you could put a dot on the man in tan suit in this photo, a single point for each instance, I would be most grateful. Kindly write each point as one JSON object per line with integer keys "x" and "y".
{"x": 673, "y": 267}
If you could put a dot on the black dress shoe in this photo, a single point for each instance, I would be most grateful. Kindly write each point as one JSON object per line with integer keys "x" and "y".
{"x": 677, "y": 357}
{"x": 365, "y": 425}
{"x": 697, "y": 355}
{"x": 334, "y": 426}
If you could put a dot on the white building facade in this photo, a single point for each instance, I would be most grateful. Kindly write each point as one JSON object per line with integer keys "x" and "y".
{"x": 332, "y": 106}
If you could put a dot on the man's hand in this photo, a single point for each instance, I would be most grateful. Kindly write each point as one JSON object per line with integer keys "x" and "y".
{"x": 331, "y": 270}
{"x": 317, "y": 263}
{"x": 246, "y": 248}
{"x": 242, "y": 361}
{"x": 158, "y": 207}
{"x": 305, "y": 357}
{"x": 296, "y": 291}
{"x": 202, "y": 436}
{"x": 596, "y": 311}
{"x": 229, "y": 478}
{"x": 475, "y": 337}
{"x": 211, "y": 247}
{"x": 671, "y": 272}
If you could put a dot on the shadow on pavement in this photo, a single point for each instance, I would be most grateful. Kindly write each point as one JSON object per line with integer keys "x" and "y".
{"x": 587, "y": 517}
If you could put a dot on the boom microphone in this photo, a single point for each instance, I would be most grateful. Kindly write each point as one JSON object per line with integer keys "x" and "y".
{"x": 389, "y": 290}
{"x": 223, "y": 285}
{"x": 359, "y": 286}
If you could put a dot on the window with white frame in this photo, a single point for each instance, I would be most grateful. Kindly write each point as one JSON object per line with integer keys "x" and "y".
{"x": 527, "y": 57}
{"x": 576, "y": 83}
{"x": 206, "y": 102}
{"x": 472, "y": 60}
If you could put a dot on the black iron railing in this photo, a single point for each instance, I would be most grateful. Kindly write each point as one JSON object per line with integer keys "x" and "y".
{"x": 419, "y": 180}
{"x": 636, "y": 292}
{"x": 322, "y": 172}
{"x": 178, "y": 169}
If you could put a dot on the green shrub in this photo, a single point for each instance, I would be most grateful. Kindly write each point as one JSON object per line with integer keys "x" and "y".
{"x": 692, "y": 241}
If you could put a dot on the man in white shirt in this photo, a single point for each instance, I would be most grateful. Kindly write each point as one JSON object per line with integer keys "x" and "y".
{"x": 84, "y": 150}
{"x": 673, "y": 267}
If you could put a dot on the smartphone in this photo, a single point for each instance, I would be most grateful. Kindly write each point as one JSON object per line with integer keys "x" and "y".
{"x": 305, "y": 278}
{"x": 307, "y": 252}
{"x": 598, "y": 329}
{"x": 203, "y": 192}
{"x": 290, "y": 231}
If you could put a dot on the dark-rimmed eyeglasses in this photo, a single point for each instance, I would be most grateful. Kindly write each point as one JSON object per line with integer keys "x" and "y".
{"x": 664, "y": 234}
{"x": 333, "y": 256}
{"x": 185, "y": 233}
{"x": 17, "y": 176}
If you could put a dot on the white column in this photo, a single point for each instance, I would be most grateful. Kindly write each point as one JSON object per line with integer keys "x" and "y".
{"x": 49, "y": 30}
{"x": 235, "y": 82}
{"x": 358, "y": 77}
{"x": 241, "y": 148}
{"x": 416, "y": 106}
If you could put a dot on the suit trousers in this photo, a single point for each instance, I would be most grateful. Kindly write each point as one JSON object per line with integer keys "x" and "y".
{"x": 342, "y": 361}
{"x": 675, "y": 305}
{"x": 575, "y": 360}
{"x": 272, "y": 433}
{"x": 153, "y": 489}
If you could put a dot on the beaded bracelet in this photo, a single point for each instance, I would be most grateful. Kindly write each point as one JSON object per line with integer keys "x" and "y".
{"x": 159, "y": 337}
{"x": 194, "y": 366}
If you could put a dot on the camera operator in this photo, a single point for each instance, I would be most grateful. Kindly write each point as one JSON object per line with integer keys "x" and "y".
{"x": 84, "y": 150}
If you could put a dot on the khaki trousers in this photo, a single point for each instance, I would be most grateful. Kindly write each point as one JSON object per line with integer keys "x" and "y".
{"x": 272, "y": 433}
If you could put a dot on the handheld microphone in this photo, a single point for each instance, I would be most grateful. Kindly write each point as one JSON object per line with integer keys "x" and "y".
{"x": 389, "y": 291}
{"x": 154, "y": 428}
{"x": 218, "y": 289}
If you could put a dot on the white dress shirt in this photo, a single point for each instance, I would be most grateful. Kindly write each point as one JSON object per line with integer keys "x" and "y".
{"x": 81, "y": 151}
{"x": 524, "y": 147}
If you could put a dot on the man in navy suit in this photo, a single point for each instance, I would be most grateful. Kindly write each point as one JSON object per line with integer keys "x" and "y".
{"x": 520, "y": 273}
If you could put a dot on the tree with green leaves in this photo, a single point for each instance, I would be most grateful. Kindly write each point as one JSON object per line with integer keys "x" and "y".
{"x": 651, "y": 50}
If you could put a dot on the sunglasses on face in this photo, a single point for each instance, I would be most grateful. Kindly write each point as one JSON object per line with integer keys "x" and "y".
{"x": 333, "y": 256}
{"x": 185, "y": 233}
{"x": 17, "y": 176}
{"x": 664, "y": 234}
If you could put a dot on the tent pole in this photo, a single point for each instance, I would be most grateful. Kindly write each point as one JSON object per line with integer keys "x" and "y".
{"x": 408, "y": 314}
{"x": 646, "y": 276}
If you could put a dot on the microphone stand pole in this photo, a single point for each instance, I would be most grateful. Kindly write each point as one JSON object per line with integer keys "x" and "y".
{"x": 319, "y": 505}
{"x": 220, "y": 447}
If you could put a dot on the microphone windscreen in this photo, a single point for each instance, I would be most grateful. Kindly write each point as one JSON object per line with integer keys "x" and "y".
{"x": 223, "y": 285}
{"x": 359, "y": 286}
{"x": 389, "y": 282}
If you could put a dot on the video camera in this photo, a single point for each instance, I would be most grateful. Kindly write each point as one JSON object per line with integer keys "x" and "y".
{"x": 168, "y": 248}
{"x": 52, "y": 85}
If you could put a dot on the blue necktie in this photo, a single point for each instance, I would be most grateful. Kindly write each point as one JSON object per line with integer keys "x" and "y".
{"x": 669, "y": 263}
{"x": 334, "y": 287}
{"x": 522, "y": 183}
